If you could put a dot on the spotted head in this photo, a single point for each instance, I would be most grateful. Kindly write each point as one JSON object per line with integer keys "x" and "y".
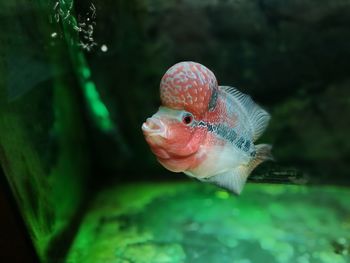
{"x": 189, "y": 86}
{"x": 188, "y": 90}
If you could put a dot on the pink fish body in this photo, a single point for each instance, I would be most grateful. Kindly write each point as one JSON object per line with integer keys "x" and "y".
{"x": 205, "y": 130}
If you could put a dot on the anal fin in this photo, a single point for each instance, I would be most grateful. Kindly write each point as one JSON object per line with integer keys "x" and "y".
{"x": 233, "y": 180}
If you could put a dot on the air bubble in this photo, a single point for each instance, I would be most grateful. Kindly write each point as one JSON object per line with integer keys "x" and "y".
{"x": 104, "y": 48}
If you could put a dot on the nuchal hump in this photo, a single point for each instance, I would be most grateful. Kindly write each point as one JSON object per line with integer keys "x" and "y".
{"x": 189, "y": 86}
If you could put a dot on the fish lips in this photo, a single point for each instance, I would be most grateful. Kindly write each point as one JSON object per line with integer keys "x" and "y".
{"x": 155, "y": 135}
{"x": 154, "y": 127}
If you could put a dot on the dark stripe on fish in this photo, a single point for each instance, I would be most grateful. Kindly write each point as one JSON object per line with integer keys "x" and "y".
{"x": 246, "y": 145}
{"x": 240, "y": 142}
{"x": 228, "y": 134}
{"x": 213, "y": 100}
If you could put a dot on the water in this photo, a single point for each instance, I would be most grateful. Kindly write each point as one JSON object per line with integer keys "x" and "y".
{"x": 78, "y": 78}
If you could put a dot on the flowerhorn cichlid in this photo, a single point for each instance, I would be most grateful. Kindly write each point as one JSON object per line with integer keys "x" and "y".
{"x": 205, "y": 130}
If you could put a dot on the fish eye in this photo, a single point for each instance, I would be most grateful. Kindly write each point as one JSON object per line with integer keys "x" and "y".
{"x": 187, "y": 118}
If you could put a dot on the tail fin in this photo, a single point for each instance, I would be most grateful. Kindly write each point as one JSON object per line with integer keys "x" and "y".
{"x": 263, "y": 153}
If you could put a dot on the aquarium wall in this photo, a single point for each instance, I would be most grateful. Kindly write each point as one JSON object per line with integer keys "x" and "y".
{"x": 43, "y": 147}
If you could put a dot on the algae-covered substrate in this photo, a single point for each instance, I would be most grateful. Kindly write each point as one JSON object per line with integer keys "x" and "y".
{"x": 195, "y": 222}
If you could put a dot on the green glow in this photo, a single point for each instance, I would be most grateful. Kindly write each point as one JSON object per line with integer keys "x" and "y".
{"x": 97, "y": 107}
{"x": 98, "y": 110}
{"x": 267, "y": 223}
{"x": 222, "y": 194}
{"x": 85, "y": 72}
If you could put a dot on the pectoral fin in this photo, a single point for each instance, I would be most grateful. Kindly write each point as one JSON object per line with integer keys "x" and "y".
{"x": 233, "y": 180}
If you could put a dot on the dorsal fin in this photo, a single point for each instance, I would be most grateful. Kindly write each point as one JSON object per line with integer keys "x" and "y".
{"x": 258, "y": 118}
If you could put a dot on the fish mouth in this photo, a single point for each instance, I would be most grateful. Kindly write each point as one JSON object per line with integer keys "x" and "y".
{"x": 154, "y": 127}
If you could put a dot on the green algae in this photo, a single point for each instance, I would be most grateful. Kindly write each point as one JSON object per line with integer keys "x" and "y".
{"x": 179, "y": 222}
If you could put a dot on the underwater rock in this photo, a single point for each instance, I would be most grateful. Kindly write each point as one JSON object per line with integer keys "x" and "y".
{"x": 152, "y": 252}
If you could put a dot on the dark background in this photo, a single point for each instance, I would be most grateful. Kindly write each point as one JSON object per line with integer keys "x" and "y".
{"x": 15, "y": 243}
{"x": 292, "y": 57}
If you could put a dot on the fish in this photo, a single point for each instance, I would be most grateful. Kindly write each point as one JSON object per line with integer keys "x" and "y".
{"x": 205, "y": 130}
